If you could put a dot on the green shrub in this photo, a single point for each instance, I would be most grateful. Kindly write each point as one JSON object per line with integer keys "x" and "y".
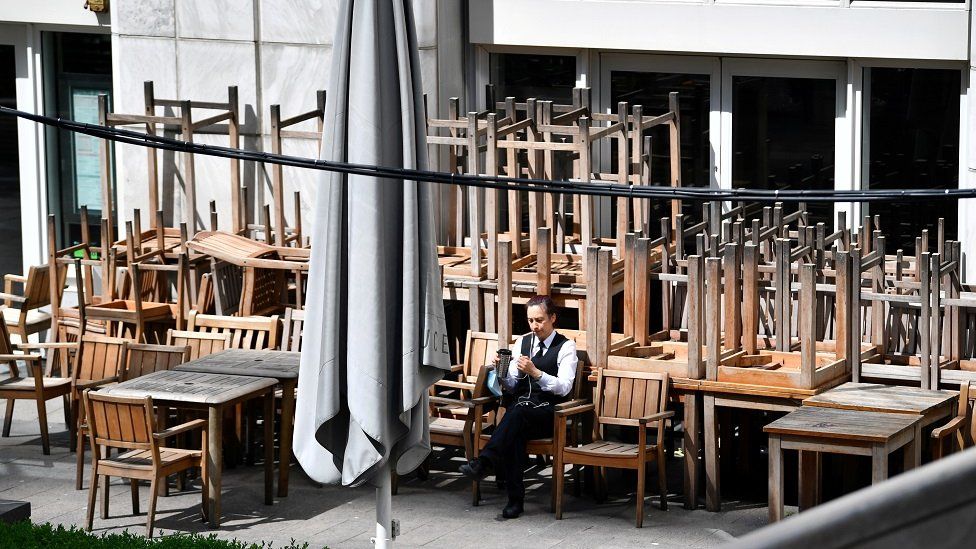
{"x": 26, "y": 535}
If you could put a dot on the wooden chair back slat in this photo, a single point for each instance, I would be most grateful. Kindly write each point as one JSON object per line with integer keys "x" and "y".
{"x": 294, "y": 326}
{"x": 120, "y": 422}
{"x": 623, "y": 394}
{"x": 99, "y": 357}
{"x": 142, "y": 359}
{"x": 254, "y": 332}
{"x": 198, "y": 344}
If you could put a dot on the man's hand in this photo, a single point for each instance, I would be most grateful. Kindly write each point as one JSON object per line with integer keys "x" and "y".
{"x": 527, "y": 367}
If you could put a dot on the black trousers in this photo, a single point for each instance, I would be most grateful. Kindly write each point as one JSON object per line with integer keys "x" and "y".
{"x": 507, "y": 447}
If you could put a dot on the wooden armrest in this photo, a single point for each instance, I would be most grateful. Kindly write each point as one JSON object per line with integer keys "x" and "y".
{"x": 15, "y": 278}
{"x": 655, "y": 417}
{"x": 954, "y": 425}
{"x": 59, "y": 345}
{"x": 82, "y": 385}
{"x": 13, "y": 297}
{"x": 4, "y": 358}
{"x": 466, "y": 403}
{"x": 455, "y": 384}
{"x": 571, "y": 404}
{"x": 574, "y": 410}
{"x": 457, "y": 368}
{"x": 181, "y": 428}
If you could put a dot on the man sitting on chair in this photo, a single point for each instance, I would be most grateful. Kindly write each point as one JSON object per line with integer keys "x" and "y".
{"x": 546, "y": 368}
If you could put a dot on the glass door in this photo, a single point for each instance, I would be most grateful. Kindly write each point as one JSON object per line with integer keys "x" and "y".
{"x": 785, "y": 127}
{"x": 79, "y": 68}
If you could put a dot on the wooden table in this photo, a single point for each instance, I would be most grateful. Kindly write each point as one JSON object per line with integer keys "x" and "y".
{"x": 282, "y": 366}
{"x": 932, "y": 405}
{"x": 718, "y": 394}
{"x": 212, "y": 392}
{"x": 853, "y": 432}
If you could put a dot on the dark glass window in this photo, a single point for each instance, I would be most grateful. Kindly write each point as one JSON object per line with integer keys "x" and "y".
{"x": 543, "y": 77}
{"x": 912, "y": 142}
{"x": 10, "y": 233}
{"x": 650, "y": 90}
{"x": 783, "y": 136}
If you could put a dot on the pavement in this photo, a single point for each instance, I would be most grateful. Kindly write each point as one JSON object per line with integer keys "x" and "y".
{"x": 433, "y": 513}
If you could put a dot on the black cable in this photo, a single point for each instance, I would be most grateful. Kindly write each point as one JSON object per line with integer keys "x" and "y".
{"x": 498, "y": 182}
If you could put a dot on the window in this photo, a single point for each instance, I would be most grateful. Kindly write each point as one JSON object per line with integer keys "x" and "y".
{"x": 783, "y": 136}
{"x": 543, "y": 77}
{"x": 912, "y": 141}
{"x": 650, "y": 90}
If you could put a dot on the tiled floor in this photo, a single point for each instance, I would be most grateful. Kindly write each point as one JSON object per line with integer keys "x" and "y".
{"x": 432, "y": 513}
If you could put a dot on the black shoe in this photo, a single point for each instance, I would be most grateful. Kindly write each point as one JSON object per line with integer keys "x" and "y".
{"x": 513, "y": 509}
{"x": 476, "y": 469}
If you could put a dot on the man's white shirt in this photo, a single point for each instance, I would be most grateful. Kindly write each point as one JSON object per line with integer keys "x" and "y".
{"x": 561, "y": 383}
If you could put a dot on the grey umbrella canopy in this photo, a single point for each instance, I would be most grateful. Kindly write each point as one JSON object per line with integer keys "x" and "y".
{"x": 374, "y": 337}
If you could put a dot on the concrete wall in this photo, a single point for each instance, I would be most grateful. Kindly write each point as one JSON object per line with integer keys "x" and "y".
{"x": 276, "y": 52}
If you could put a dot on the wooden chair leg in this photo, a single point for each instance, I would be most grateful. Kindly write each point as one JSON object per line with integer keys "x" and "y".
{"x": 73, "y": 425}
{"x": 104, "y": 480}
{"x": 91, "y": 498}
{"x": 66, "y": 408}
{"x": 601, "y": 483}
{"x": 641, "y": 481}
{"x": 577, "y": 480}
{"x": 8, "y": 417}
{"x": 662, "y": 480}
{"x": 558, "y": 480}
{"x": 42, "y": 419}
{"x": 153, "y": 494}
{"x": 79, "y": 459}
{"x": 134, "y": 489}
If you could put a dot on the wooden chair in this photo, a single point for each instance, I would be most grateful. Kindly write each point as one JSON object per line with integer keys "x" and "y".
{"x": 21, "y": 311}
{"x": 199, "y": 343}
{"x": 291, "y": 338}
{"x": 959, "y": 429}
{"x": 37, "y": 387}
{"x": 464, "y": 430}
{"x": 479, "y": 350}
{"x": 128, "y": 424}
{"x": 143, "y": 358}
{"x": 98, "y": 361}
{"x": 247, "y": 332}
{"x": 630, "y": 399}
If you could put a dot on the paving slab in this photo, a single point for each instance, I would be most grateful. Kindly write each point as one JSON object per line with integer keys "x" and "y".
{"x": 434, "y": 513}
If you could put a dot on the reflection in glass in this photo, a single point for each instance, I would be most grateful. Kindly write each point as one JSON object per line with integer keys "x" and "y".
{"x": 783, "y": 136}
{"x": 912, "y": 142}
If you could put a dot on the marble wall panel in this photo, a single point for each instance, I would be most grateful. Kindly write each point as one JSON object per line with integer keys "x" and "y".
{"x": 302, "y": 180}
{"x": 139, "y": 59}
{"x": 290, "y": 76}
{"x": 425, "y": 19}
{"x": 298, "y": 21}
{"x": 215, "y": 19}
{"x": 428, "y": 71}
{"x": 207, "y": 67}
{"x": 144, "y": 18}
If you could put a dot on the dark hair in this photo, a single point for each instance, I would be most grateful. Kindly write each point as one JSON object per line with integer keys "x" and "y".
{"x": 545, "y": 302}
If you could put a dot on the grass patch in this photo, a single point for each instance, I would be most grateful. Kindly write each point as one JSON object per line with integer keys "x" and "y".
{"x": 26, "y": 535}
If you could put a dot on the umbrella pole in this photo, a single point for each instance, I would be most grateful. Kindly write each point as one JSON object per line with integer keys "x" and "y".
{"x": 386, "y": 530}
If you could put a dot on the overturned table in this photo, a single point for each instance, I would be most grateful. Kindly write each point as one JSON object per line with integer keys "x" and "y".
{"x": 852, "y": 432}
{"x": 281, "y": 366}
{"x": 212, "y": 392}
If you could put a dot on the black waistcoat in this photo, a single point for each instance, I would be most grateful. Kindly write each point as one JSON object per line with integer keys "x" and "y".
{"x": 527, "y": 389}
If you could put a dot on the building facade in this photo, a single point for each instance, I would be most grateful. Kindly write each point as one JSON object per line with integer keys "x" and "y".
{"x": 773, "y": 93}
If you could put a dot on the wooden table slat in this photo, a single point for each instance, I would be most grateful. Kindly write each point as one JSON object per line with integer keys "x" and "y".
{"x": 814, "y": 422}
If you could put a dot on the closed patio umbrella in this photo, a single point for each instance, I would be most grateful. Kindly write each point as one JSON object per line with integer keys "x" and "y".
{"x": 374, "y": 338}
